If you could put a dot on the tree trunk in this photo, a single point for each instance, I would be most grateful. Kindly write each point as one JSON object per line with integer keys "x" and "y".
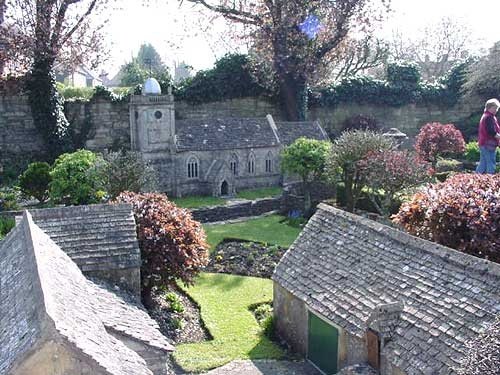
{"x": 349, "y": 193}
{"x": 293, "y": 96}
{"x": 47, "y": 105}
{"x": 146, "y": 296}
{"x": 307, "y": 198}
{"x": 2, "y": 46}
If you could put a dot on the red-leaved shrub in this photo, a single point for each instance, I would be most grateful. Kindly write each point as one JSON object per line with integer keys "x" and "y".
{"x": 435, "y": 139}
{"x": 391, "y": 171}
{"x": 172, "y": 243}
{"x": 462, "y": 212}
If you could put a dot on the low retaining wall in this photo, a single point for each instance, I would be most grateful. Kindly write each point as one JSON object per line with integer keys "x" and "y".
{"x": 237, "y": 210}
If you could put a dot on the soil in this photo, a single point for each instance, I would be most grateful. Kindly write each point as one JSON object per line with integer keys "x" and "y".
{"x": 245, "y": 258}
{"x": 190, "y": 327}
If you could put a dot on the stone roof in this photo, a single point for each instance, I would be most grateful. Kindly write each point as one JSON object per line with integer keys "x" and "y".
{"x": 234, "y": 133}
{"x": 288, "y": 132}
{"x": 344, "y": 267}
{"x": 96, "y": 237}
{"x": 120, "y": 312}
{"x": 222, "y": 134}
{"x": 58, "y": 304}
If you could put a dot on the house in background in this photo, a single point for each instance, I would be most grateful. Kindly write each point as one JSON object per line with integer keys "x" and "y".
{"x": 81, "y": 76}
{"x": 352, "y": 291}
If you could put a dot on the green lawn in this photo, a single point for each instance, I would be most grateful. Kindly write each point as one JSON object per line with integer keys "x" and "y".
{"x": 198, "y": 201}
{"x": 260, "y": 193}
{"x": 224, "y": 301}
{"x": 273, "y": 229}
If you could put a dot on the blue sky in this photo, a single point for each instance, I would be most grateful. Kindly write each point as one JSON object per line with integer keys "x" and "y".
{"x": 174, "y": 32}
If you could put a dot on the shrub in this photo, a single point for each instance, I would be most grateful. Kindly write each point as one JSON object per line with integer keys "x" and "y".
{"x": 125, "y": 171}
{"x": 435, "y": 139}
{"x": 347, "y": 151}
{"x": 472, "y": 152}
{"x": 35, "y": 180}
{"x": 360, "y": 122}
{"x": 403, "y": 73}
{"x": 463, "y": 213}
{"x": 391, "y": 171}
{"x": 305, "y": 158}
{"x": 449, "y": 165}
{"x": 6, "y": 224}
{"x": 74, "y": 180}
{"x": 172, "y": 243}
{"x": 9, "y": 198}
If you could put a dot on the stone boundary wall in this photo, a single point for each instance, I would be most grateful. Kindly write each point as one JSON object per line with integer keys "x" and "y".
{"x": 234, "y": 211}
{"x": 102, "y": 125}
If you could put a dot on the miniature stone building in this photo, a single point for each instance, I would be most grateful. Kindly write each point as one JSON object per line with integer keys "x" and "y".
{"x": 210, "y": 156}
{"x": 101, "y": 239}
{"x": 55, "y": 321}
{"x": 352, "y": 291}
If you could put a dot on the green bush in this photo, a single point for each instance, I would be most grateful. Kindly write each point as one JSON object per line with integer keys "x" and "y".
{"x": 9, "y": 198}
{"x": 74, "y": 179}
{"x": 6, "y": 224}
{"x": 472, "y": 152}
{"x": 74, "y": 93}
{"x": 34, "y": 181}
{"x": 403, "y": 73}
{"x": 124, "y": 171}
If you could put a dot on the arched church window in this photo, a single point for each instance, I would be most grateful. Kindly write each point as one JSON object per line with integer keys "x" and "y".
{"x": 269, "y": 162}
{"x": 233, "y": 164}
{"x": 251, "y": 163}
{"x": 192, "y": 167}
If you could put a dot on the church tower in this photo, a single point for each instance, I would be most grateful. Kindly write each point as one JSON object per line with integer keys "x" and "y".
{"x": 152, "y": 120}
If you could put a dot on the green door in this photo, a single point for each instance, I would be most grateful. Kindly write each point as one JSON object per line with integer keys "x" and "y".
{"x": 323, "y": 344}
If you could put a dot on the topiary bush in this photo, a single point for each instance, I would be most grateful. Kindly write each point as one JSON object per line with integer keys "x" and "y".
{"x": 172, "y": 244}
{"x": 436, "y": 139}
{"x": 463, "y": 213}
{"x": 74, "y": 179}
{"x": 35, "y": 180}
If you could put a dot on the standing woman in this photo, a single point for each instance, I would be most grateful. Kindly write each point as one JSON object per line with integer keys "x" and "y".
{"x": 488, "y": 137}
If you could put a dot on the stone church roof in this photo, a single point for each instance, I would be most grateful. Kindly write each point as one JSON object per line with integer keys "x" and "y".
{"x": 45, "y": 298}
{"x": 290, "y": 131}
{"x": 96, "y": 237}
{"x": 237, "y": 133}
{"x": 222, "y": 134}
{"x": 347, "y": 268}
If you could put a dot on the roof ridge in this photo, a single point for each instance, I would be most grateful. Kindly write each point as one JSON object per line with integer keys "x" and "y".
{"x": 447, "y": 254}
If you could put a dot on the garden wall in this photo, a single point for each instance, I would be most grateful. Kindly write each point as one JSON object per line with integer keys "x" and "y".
{"x": 237, "y": 210}
{"x": 101, "y": 124}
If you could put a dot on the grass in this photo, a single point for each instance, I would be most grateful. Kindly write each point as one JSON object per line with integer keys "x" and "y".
{"x": 198, "y": 201}
{"x": 225, "y": 301}
{"x": 260, "y": 193}
{"x": 272, "y": 229}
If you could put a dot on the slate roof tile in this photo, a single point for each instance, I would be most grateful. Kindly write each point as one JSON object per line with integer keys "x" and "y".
{"x": 447, "y": 296}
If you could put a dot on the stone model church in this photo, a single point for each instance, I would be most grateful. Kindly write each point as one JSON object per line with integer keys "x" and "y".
{"x": 210, "y": 156}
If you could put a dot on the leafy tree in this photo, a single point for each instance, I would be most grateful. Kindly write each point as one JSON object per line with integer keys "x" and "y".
{"x": 482, "y": 355}
{"x": 74, "y": 180}
{"x": 462, "y": 212}
{"x": 41, "y": 33}
{"x": 483, "y": 77}
{"x": 172, "y": 243}
{"x": 230, "y": 78}
{"x": 392, "y": 172}
{"x": 35, "y": 181}
{"x": 436, "y": 139}
{"x": 437, "y": 47}
{"x": 305, "y": 158}
{"x": 347, "y": 151}
{"x": 295, "y": 37}
{"x": 125, "y": 171}
{"x": 147, "y": 63}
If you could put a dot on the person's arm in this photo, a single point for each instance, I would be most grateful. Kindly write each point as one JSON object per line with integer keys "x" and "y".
{"x": 490, "y": 126}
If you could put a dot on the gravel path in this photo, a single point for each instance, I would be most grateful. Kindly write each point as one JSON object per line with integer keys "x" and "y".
{"x": 265, "y": 367}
